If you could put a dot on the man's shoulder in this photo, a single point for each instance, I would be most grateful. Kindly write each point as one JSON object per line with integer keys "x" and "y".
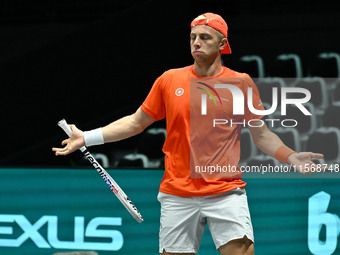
{"x": 174, "y": 76}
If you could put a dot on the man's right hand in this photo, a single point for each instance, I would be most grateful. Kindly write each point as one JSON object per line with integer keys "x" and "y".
{"x": 73, "y": 143}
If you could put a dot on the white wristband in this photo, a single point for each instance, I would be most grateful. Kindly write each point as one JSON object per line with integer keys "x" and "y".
{"x": 93, "y": 137}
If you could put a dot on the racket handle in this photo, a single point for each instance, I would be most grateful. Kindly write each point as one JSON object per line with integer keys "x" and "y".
{"x": 63, "y": 124}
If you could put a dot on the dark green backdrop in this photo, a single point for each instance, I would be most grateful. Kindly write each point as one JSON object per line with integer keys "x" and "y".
{"x": 279, "y": 209}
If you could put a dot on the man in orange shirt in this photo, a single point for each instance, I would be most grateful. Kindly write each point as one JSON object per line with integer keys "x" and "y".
{"x": 188, "y": 201}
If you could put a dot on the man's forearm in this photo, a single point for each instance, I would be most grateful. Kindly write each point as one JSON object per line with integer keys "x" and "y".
{"x": 268, "y": 143}
{"x": 271, "y": 144}
{"x": 121, "y": 129}
{"x": 127, "y": 126}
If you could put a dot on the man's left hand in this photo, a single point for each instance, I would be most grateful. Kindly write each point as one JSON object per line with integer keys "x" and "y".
{"x": 303, "y": 162}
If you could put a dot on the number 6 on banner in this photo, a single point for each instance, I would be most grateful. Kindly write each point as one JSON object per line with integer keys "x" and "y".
{"x": 123, "y": 198}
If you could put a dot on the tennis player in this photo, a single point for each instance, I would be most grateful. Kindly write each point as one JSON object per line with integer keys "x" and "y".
{"x": 188, "y": 204}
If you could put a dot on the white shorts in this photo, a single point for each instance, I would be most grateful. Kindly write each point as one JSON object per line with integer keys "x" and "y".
{"x": 183, "y": 220}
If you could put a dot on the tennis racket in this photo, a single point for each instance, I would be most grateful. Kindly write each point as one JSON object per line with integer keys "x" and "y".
{"x": 123, "y": 198}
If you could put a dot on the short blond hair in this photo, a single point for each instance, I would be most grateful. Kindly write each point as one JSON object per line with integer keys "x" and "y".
{"x": 220, "y": 36}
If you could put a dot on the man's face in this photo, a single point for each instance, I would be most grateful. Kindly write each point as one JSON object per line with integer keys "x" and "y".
{"x": 204, "y": 42}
